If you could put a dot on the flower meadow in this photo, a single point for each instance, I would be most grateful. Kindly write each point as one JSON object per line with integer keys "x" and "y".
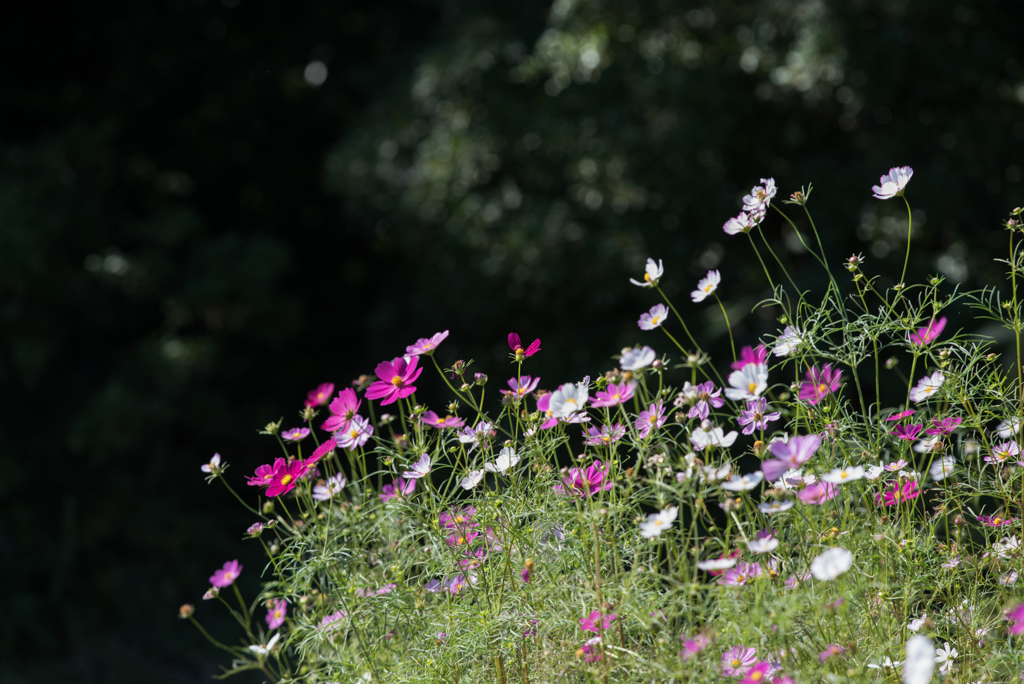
{"x": 841, "y": 502}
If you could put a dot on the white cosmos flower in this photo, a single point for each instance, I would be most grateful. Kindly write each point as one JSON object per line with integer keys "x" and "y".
{"x": 893, "y": 183}
{"x": 919, "y": 665}
{"x": 887, "y": 663}
{"x": 745, "y": 483}
{"x": 716, "y": 564}
{"x": 715, "y": 436}
{"x": 831, "y": 564}
{"x": 212, "y": 466}
{"x": 261, "y": 650}
{"x": 843, "y": 475}
{"x": 1007, "y": 428}
{"x": 772, "y": 507}
{"x": 794, "y": 478}
{"x": 787, "y": 342}
{"x": 763, "y": 545}
{"x": 420, "y": 468}
{"x": 652, "y": 274}
{"x": 328, "y": 490}
{"x": 916, "y": 624}
{"x": 874, "y": 472}
{"x": 713, "y": 474}
{"x": 653, "y": 318}
{"x": 657, "y": 522}
{"x": 927, "y": 387}
{"x": 707, "y": 285}
{"x": 944, "y": 657}
{"x": 472, "y": 479}
{"x": 760, "y": 196}
{"x": 635, "y": 359}
{"x": 748, "y": 383}
{"x": 942, "y": 468}
{"x": 744, "y": 223}
{"x": 1006, "y": 546}
{"x": 506, "y": 459}
{"x": 570, "y": 398}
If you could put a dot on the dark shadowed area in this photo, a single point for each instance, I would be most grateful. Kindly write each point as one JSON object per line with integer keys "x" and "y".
{"x": 209, "y": 207}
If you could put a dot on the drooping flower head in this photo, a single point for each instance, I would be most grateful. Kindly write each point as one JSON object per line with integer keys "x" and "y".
{"x": 820, "y": 384}
{"x": 320, "y": 395}
{"x": 276, "y": 613}
{"x": 755, "y": 416}
{"x": 343, "y": 409}
{"x": 706, "y": 286}
{"x": 748, "y": 355}
{"x": 929, "y": 333}
{"x": 743, "y": 223}
{"x": 604, "y": 435}
{"x": 426, "y": 345}
{"x": 893, "y": 183}
{"x": 396, "y": 378}
{"x": 521, "y": 386}
{"x": 614, "y": 394}
{"x": 399, "y": 487}
{"x": 518, "y": 353}
{"x": 225, "y": 576}
{"x": 653, "y": 318}
{"x": 652, "y": 274}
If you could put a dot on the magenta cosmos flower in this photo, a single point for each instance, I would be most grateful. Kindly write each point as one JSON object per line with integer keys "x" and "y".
{"x": 295, "y": 434}
{"x": 398, "y": 487}
{"x": 738, "y": 660}
{"x": 590, "y": 622}
{"x": 1016, "y": 617}
{"x": 707, "y": 397}
{"x": 907, "y": 432}
{"x": 893, "y": 183}
{"x": 226, "y": 576}
{"x": 521, "y": 386}
{"x": 603, "y": 436}
{"x": 749, "y": 355}
{"x": 820, "y": 383}
{"x": 518, "y": 352}
{"x": 740, "y": 574}
{"x": 759, "y": 673}
{"x": 396, "y": 378}
{"x": 755, "y": 417}
{"x": 897, "y": 492}
{"x": 692, "y": 647}
{"x": 900, "y": 416}
{"x": 426, "y": 345}
{"x": 944, "y": 426}
{"x": 318, "y": 453}
{"x": 285, "y": 478}
{"x": 275, "y": 616}
{"x": 343, "y": 410}
{"x": 818, "y": 493}
{"x": 320, "y": 395}
{"x": 587, "y": 482}
{"x": 614, "y": 394}
{"x": 432, "y": 419}
{"x": 651, "y": 419}
{"x": 929, "y": 333}
{"x": 264, "y": 474}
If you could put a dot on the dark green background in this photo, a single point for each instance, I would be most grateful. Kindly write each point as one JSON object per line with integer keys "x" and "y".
{"x": 191, "y": 236}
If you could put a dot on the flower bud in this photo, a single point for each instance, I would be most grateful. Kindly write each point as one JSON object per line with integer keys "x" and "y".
{"x": 268, "y": 507}
{"x": 186, "y": 611}
{"x": 480, "y": 379}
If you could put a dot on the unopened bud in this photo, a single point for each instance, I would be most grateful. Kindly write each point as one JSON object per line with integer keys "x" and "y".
{"x": 480, "y": 378}
{"x": 186, "y": 611}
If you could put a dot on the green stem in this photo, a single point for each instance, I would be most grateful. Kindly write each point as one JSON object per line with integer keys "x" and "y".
{"x": 910, "y": 225}
{"x": 728, "y": 327}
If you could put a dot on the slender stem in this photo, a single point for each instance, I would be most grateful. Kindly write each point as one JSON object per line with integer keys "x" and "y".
{"x": 910, "y": 225}
{"x": 765, "y": 268}
{"x": 777, "y": 259}
{"x": 728, "y": 327}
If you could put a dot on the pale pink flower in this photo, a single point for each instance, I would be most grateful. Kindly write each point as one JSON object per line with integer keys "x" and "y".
{"x": 893, "y": 183}
{"x": 426, "y": 345}
{"x": 706, "y": 286}
{"x": 653, "y": 318}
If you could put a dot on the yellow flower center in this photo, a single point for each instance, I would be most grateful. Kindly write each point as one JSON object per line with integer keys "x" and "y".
{"x": 752, "y": 387}
{"x": 229, "y": 575}
{"x": 655, "y": 319}
{"x": 822, "y": 388}
{"x": 460, "y": 540}
{"x": 353, "y": 433}
{"x": 708, "y": 287}
{"x": 647, "y": 277}
{"x": 843, "y": 475}
{"x": 997, "y": 521}
{"x": 653, "y": 419}
{"x": 755, "y": 676}
{"x": 458, "y": 518}
{"x": 277, "y": 613}
{"x": 397, "y": 381}
{"x": 286, "y": 479}
{"x": 606, "y": 439}
{"x": 736, "y": 662}
{"x": 320, "y": 396}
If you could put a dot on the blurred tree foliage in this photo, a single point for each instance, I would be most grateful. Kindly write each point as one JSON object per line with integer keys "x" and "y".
{"x": 176, "y": 267}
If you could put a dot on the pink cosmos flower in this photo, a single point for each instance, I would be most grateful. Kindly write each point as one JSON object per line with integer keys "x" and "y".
{"x": 895, "y": 466}
{"x": 653, "y": 318}
{"x": 944, "y": 426}
{"x": 897, "y": 492}
{"x": 743, "y": 223}
{"x": 603, "y": 436}
{"x": 759, "y": 673}
{"x": 614, "y": 394}
{"x": 818, "y": 493}
{"x": 707, "y": 397}
{"x": 989, "y": 521}
{"x": 431, "y": 419}
{"x": 285, "y": 478}
{"x": 929, "y": 333}
{"x": 544, "y": 406}
{"x": 420, "y": 468}
{"x": 893, "y": 183}
{"x": 457, "y": 518}
{"x": 343, "y": 410}
{"x": 226, "y": 576}
{"x": 521, "y": 386}
{"x": 907, "y": 432}
{"x": 295, "y": 434}
{"x": 651, "y": 419}
{"x": 591, "y": 652}
{"x": 355, "y": 434}
{"x": 275, "y": 616}
{"x": 475, "y": 436}
{"x": 790, "y": 455}
{"x": 256, "y": 529}
{"x": 517, "y": 347}
{"x": 738, "y": 660}
{"x": 590, "y": 622}
{"x": 213, "y": 466}
{"x": 740, "y": 574}
{"x": 426, "y": 345}
{"x": 332, "y": 618}
{"x": 1002, "y": 452}
{"x": 755, "y": 416}
{"x": 318, "y": 453}
{"x": 396, "y": 378}
{"x": 587, "y": 482}
{"x": 820, "y": 384}
{"x": 901, "y": 415}
{"x": 320, "y": 395}
{"x": 692, "y": 647}
{"x": 265, "y": 473}
{"x": 329, "y": 489}
{"x": 831, "y": 651}
{"x": 461, "y": 538}
{"x": 1016, "y": 617}
{"x": 749, "y": 355}
{"x": 760, "y": 196}
{"x": 399, "y": 487}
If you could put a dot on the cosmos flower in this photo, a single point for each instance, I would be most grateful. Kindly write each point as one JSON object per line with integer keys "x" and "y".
{"x": 763, "y": 545}
{"x": 603, "y": 436}
{"x": 651, "y": 419}
{"x": 320, "y": 395}
{"x": 820, "y": 384}
{"x": 754, "y": 416}
{"x": 817, "y": 493}
{"x": 907, "y": 432}
{"x": 329, "y": 489}
{"x": 396, "y": 378}
{"x": 658, "y": 522}
{"x": 225, "y": 576}
{"x": 742, "y": 223}
{"x": 355, "y": 434}
{"x": 748, "y": 383}
{"x": 707, "y": 397}
{"x": 521, "y": 386}
{"x": 653, "y": 318}
{"x": 942, "y": 468}
{"x": 426, "y": 345}
{"x": 893, "y": 183}
{"x": 517, "y": 347}
{"x": 744, "y": 483}
{"x": 927, "y": 387}
{"x": 706, "y": 286}
{"x": 843, "y": 475}
{"x": 830, "y": 564}
{"x": 899, "y": 416}
{"x": 919, "y": 664}
{"x": 897, "y": 492}
{"x": 929, "y": 333}
{"x": 475, "y": 436}
{"x": 692, "y": 647}
{"x": 748, "y": 355}
{"x": 787, "y": 342}
{"x": 1015, "y": 616}
{"x": 285, "y": 478}
{"x": 790, "y": 455}
{"x": 506, "y": 459}
{"x": 652, "y": 274}
{"x": 569, "y": 398}
{"x": 613, "y": 395}
{"x": 637, "y": 358}
{"x": 760, "y": 196}
{"x": 213, "y": 466}
{"x": 740, "y": 574}
{"x": 295, "y": 434}
{"x": 1000, "y": 453}
{"x": 430, "y": 418}
{"x": 276, "y": 614}
{"x": 590, "y": 622}
{"x": 472, "y": 479}
{"x": 264, "y": 474}
{"x": 399, "y": 487}
{"x": 420, "y": 468}
{"x": 702, "y": 438}
{"x": 772, "y": 507}
{"x": 944, "y": 426}
{"x": 343, "y": 410}
{"x": 738, "y": 660}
